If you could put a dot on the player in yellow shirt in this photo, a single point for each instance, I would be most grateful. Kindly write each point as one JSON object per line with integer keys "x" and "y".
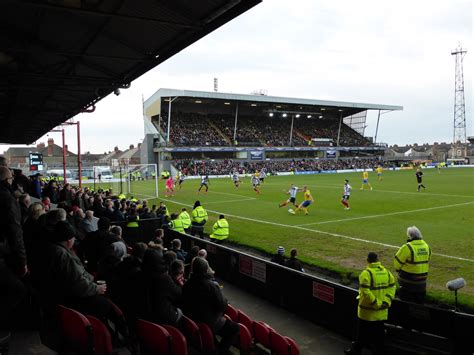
{"x": 365, "y": 180}
{"x": 308, "y": 200}
{"x": 379, "y": 172}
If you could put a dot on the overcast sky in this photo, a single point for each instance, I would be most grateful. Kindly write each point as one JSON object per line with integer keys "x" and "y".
{"x": 384, "y": 52}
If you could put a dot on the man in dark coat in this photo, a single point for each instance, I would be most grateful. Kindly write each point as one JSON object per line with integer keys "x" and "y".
{"x": 12, "y": 251}
{"x": 204, "y": 302}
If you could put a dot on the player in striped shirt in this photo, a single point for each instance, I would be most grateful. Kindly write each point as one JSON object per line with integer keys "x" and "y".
{"x": 346, "y": 195}
{"x": 292, "y": 192}
{"x": 256, "y": 183}
{"x": 236, "y": 179}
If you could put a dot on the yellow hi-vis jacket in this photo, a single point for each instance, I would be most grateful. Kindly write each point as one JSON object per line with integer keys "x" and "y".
{"x": 133, "y": 223}
{"x": 220, "y": 229}
{"x": 184, "y": 216}
{"x": 199, "y": 215}
{"x": 413, "y": 257}
{"x": 177, "y": 225}
{"x": 376, "y": 292}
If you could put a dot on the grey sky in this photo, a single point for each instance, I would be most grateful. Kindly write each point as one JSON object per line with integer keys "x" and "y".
{"x": 386, "y": 52}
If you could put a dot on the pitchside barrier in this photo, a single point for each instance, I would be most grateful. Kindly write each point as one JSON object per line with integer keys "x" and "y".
{"x": 324, "y": 302}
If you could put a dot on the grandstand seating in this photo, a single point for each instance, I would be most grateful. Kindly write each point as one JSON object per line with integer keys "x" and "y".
{"x": 179, "y": 344}
{"x": 76, "y": 329}
{"x": 191, "y": 129}
{"x": 101, "y": 335}
{"x": 153, "y": 338}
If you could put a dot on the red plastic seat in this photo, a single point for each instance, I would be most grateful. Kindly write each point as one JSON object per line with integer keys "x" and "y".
{"x": 192, "y": 333}
{"x": 245, "y": 320}
{"x": 179, "y": 345}
{"x": 76, "y": 331}
{"x": 232, "y": 312}
{"x": 245, "y": 339}
{"x": 278, "y": 344}
{"x": 102, "y": 338}
{"x": 207, "y": 338}
{"x": 154, "y": 339}
{"x": 261, "y": 333}
{"x": 295, "y": 350}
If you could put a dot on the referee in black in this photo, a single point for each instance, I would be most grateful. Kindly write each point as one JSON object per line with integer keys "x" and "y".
{"x": 419, "y": 178}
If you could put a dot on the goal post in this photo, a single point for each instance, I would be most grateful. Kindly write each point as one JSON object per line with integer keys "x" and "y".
{"x": 141, "y": 181}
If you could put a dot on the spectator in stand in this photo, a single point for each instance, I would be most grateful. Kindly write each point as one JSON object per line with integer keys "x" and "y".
{"x": 279, "y": 256}
{"x": 20, "y": 182}
{"x": 90, "y": 223}
{"x": 93, "y": 247}
{"x": 25, "y": 202}
{"x": 35, "y": 187}
{"x": 204, "y": 302}
{"x": 12, "y": 252}
{"x": 31, "y": 227}
{"x": 294, "y": 263}
{"x": 176, "y": 247}
{"x": 109, "y": 210}
{"x": 193, "y": 252}
{"x": 177, "y": 272}
{"x": 46, "y": 203}
{"x": 64, "y": 279}
{"x": 51, "y": 191}
{"x": 163, "y": 293}
{"x": 66, "y": 194}
{"x": 115, "y": 242}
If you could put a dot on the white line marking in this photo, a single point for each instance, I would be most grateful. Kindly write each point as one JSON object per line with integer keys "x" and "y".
{"x": 385, "y": 214}
{"x": 322, "y": 232}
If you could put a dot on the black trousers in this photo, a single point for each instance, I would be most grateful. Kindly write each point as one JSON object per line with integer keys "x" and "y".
{"x": 228, "y": 332}
{"x": 406, "y": 294}
{"x": 369, "y": 334}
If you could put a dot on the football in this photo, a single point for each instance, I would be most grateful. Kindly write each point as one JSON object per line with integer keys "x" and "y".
{"x": 290, "y": 210}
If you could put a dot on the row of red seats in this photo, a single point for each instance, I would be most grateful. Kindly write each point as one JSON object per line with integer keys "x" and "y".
{"x": 260, "y": 333}
{"x": 88, "y": 335}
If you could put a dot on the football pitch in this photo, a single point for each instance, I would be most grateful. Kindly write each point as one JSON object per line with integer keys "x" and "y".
{"x": 336, "y": 239}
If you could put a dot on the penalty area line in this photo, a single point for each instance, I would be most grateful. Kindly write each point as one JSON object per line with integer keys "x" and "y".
{"x": 319, "y": 231}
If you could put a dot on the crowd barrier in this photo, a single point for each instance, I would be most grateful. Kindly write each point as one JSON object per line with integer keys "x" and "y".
{"x": 324, "y": 302}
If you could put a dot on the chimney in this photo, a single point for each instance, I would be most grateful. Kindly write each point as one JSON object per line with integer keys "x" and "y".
{"x": 40, "y": 145}
{"x": 131, "y": 146}
{"x": 50, "y": 147}
{"x": 139, "y": 145}
{"x": 116, "y": 149}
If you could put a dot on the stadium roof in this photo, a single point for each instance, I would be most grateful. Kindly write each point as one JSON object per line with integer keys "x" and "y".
{"x": 286, "y": 103}
{"x": 57, "y": 58}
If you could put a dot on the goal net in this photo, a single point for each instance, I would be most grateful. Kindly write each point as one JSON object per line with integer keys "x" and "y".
{"x": 138, "y": 181}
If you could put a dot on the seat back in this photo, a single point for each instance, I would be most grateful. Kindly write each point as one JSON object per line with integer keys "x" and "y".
{"x": 207, "y": 337}
{"x": 245, "y": 339}
{"x": 278, "y": 344}
{"x": 261, "y": 333}
{"x": 102, "y": 338}
{"x": 179, "y": 345}
{"x": 76, "y": 331}
{"x": 295, "y": 350}
{"x": 192, "y": 333}
{"x": 245, "y": 320}
{"x": 153, "y": 338}
{"x": 232, "y": 312}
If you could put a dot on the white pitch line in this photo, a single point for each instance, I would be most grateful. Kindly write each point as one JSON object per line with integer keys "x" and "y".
{"x": 322, "y": 232}
{"x": 386, "y": 214}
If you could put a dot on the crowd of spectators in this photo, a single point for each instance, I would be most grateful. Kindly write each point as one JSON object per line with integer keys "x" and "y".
{"x": 218, "y": 130}
{"x": 70, "y": 252}
{"x": 226, "y": 167}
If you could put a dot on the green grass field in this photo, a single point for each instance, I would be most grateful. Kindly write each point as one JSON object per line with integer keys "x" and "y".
{"x": 338, "y": 240}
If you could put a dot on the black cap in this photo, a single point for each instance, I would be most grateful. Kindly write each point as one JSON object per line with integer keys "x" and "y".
{"x": 63, "y": 231}
{"x": 372, "y": 257}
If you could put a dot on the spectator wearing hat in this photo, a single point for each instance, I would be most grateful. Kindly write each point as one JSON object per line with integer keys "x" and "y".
{"x": 204, "y": 302}
{"x": 64, "y": 279}
{"x": 376, "y": 292}
{"x": 294, "y": 263}
{"x": 279, "y": 256}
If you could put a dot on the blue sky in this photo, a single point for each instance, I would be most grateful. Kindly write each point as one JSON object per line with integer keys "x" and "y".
{"x": 386, "y": 52}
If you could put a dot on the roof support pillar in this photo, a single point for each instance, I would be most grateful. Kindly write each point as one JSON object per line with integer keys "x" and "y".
{"x": 291, "y": 129}
{"x": 169, "y": 119}
{"x": 339, "y": 130}
{"x": 377, "y": 128}
{"x": 235, "y": 122}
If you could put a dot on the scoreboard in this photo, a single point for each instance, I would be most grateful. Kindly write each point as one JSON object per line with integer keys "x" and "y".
{"x": 36, "y": 161}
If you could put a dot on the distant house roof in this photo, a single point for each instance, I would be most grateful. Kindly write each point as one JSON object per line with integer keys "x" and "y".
{"x": 130, "y": 153}
{"x": 25, "y": 151}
